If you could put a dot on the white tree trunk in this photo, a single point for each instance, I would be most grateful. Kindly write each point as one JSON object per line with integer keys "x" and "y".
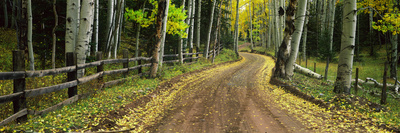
{"x": 210, "y": 29}
{"x": 307, "y": 72}
{"x": 251, "y": 27}
{"x": 85, "y": 31}
{"x": 71, "y": 32}
{"x": 198, "y": 26}
{"x": 163, "y": 33}
{"x": 270, "y": 25}
{"x": 53, "y": 56}
{"x": 285, "y": 47}
{"x": 277, "y": 28}
{"x": 186, "y": 41}
{"x": 305, "y": 32}
{"x": 332, "y": 9}
{"x": 110, "y": 23}
{"x": 345, "y": 65}
{"x": 236, "y": 29}
{"x": 180, "y": 47}
{"x": 117, "y": 28}
{"x": 216, "y": 32}
{"x": 192, "y": 27}
{"x": 299, "y": 23}
{"x": 95, "y": 38}
{"x": 30, "y": 47}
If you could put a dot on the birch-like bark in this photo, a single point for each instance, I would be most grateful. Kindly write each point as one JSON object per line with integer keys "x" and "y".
{"x": 332, "y": 9}
{"x": 277, "y": 28}
{"x": 210, "y": 29}
{"x": 180, "y": 47}
{"x": 137, "y": 41}
{"x": 30, "y": 47}
{"x": 307, "y": 71}
{"x": 186, "y": 41}
{"x": 53, "y": 56}
{"x": 345, "y": 65}
{"x": 251, "y": 28}
{"x": 192, "y": 27}
{"x": 324, "y": 15}
{"x": 299, "y": 23}
{"x": 95, "y": 38}
{"x": 198, "y": 25}
{"x": 160, "y": 15}
{"x": 236, "y": 29}
{"x": 216, "y": 32}
{"x": 305, "y": 32}
{"x": 71, "y": 32}
{"x": 264, "y": 26}
{"x": 269, "y": 25}
{"x": 285, "y": 47}
{"x": 110, "y": 23}
{"x": 164, "y": 33}
{"x": 117, "y": 28}
{"x": 85, "y": 31}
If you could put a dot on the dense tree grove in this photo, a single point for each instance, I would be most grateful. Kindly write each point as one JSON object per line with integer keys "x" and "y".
{"x": 197, "y": 25}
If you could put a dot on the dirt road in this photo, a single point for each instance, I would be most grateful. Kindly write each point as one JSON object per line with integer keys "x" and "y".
{"x": 228, "y": 99}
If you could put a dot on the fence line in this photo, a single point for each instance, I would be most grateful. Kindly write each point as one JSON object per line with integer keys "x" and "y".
{"x": 19, "y": 75}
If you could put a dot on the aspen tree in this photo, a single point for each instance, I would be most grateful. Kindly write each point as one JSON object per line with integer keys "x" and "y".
{"x": 345, "y": 65}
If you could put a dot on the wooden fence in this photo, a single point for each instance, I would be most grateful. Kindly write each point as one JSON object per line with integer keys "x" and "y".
{"x": 19, "y": 95}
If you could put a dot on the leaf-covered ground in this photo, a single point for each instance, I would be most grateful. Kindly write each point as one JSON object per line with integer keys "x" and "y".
{"x": 84, "y": 114}
{"x": 236, "y": 97}
{"x": 233, "y": 97}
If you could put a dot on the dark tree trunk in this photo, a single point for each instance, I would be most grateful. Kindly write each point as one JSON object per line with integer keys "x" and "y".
{"x": 160, "y": 15}
{"x": 22, "y": 26}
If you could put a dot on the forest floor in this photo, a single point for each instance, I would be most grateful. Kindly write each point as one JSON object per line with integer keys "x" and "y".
{"x": 232, "y": 97}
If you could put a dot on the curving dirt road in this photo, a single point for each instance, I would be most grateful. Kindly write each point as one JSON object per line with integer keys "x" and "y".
{"x": 228, "y": 99}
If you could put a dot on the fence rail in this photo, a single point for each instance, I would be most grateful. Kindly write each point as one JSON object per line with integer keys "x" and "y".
{"x": 20, "y": 94}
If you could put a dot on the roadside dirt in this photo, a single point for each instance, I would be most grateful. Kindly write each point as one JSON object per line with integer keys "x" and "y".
{"x": 228, "y": 100}
{"x": 232, "y": 97}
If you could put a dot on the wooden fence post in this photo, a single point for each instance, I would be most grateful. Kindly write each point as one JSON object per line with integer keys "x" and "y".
{"x": 19, "y": 84}
{"x": 315, "y": 65}
{"x": 126, "y": 65}
{"x": 71, "y": 61}
{"x": 383, "y": 95}
{"x": 100, "y": 68}
{"x": 140, "y": 68}
{"x": 356, "y": 85}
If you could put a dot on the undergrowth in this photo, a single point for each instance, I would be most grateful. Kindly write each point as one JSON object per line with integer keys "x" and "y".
{"x": 79, "y": 115}
{"x": 362, "y": 101}
{"x": 369, "y": 67}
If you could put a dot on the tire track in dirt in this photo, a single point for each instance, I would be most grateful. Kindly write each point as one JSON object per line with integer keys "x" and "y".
{"x": 227, "y": 99}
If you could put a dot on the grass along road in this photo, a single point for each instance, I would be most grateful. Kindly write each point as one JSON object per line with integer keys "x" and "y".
{"x": 226, "y": 100}
{"x": 235, "y": 97}
{"x": 238, "y": 97}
